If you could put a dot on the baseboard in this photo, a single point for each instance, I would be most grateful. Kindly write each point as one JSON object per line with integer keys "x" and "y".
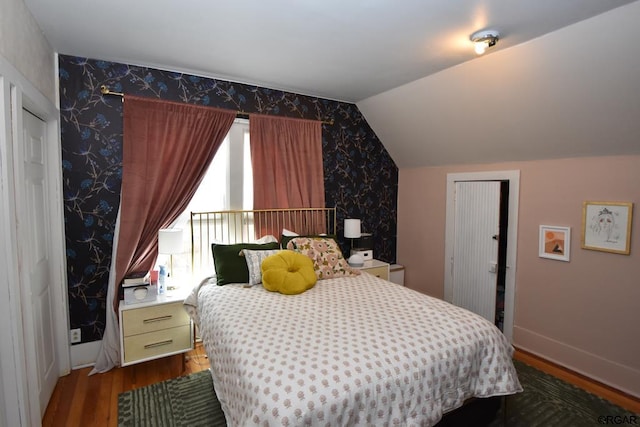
{"x": 598, "y": 367}
{"x": 83, "y": 355}
{"x": 609, "y": 393}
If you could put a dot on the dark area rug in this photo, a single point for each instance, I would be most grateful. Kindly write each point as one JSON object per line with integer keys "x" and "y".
{"x": 548, "y": 402}
{"x": 545, "y": 402}
{"x": 184, "y": 401}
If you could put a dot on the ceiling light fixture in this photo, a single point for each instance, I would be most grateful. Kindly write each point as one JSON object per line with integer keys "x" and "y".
{"x": 484, "y": 39}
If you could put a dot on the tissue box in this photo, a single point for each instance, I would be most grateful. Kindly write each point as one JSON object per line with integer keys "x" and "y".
{"x": 138, "y": 294}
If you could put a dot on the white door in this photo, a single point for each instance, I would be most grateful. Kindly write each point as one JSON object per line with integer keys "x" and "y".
{"x": 34, "y": 234}
{"x": 475, "y": 253}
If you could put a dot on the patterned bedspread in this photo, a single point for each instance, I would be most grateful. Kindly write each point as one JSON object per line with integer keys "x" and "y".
{"x": 351, "y": 351}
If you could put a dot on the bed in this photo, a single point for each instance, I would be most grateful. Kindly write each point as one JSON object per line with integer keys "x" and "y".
{"x": 352, "y": 350}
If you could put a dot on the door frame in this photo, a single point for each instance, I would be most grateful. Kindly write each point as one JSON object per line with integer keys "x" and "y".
{"x": 513, "y": 176}
{"x": 16, "y": 94}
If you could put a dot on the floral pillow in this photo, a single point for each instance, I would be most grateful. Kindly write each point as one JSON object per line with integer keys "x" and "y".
{"x": 254, "y": 263}
{"x": 326, "y": 255}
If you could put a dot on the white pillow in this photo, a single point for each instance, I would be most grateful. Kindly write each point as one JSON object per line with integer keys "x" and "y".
{"x": 289, "y": 233}
{"x": 254, "y": 260}
{"x": 267, "y": 239}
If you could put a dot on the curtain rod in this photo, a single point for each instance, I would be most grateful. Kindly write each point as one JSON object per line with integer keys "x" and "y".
{"x": 106, "y": 91}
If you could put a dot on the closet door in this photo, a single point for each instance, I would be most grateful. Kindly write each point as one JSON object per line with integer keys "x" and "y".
{"x": 475, "y": 256}
{"x": 34, "y": 233}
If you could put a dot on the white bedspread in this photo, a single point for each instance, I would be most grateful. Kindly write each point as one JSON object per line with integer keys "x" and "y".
{"x": 350, "y": 351}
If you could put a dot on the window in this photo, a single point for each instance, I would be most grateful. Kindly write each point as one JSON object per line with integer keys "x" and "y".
{"x": 227, "y": 185}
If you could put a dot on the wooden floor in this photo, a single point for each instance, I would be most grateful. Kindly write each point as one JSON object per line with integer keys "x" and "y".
{"x": 83, "y": 400}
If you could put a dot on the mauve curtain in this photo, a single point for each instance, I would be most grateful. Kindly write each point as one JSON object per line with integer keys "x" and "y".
{"x": 286, "y": 156}
{"x": 167, "y": 147}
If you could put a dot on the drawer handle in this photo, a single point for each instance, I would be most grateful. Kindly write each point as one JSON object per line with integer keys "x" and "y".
{"x": 157, "y": 319}
{"x": 158, "y": 344}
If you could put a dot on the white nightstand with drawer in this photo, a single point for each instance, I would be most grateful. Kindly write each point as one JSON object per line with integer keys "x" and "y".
{"x": 155, "y": 329}
{"x": 377, "y": 268}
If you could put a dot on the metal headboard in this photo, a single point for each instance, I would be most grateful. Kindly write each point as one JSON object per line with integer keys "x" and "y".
{"x": 237, "y": 226}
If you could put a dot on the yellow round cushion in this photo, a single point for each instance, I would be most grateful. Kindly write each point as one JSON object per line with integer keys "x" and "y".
{"x": 288, "y": 272}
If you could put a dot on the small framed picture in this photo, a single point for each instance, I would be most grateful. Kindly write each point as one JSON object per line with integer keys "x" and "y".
{"x": 606, "y": 226}
{"x": 555, "y": 242}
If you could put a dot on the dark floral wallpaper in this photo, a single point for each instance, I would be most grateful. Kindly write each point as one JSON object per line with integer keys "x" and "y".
{"x": 361, "y": 179}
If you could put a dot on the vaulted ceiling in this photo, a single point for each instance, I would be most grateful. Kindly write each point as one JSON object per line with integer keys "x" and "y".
{"x": 408, "y": 65}
{"x": 574, "y": 92}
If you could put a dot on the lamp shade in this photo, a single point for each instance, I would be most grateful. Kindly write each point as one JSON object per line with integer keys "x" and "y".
{"x": 352, "y": 228}
{"x": 170, "y": 241}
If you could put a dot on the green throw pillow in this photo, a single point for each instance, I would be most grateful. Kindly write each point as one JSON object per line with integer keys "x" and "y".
{"x": 231, "y": 267}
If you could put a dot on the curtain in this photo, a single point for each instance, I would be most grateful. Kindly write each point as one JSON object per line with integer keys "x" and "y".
{"x": 286, "y": 156}
{"x": 167, "y": 148}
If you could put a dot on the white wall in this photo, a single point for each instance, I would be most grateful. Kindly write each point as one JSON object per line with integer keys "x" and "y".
{"x": 27, "y": 79}
{"x": 12, "y": 368}
{"x": 16, "y": 95}
{"x": 24, "y": 46}
{"x": 7, "y": 359}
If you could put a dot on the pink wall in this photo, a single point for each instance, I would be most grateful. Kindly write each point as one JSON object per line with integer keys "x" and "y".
{"x": 583, "y": 314}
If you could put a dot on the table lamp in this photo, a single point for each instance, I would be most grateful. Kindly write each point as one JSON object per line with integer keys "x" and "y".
{"x": 352, "y": 231}
{"x": 170, "y": 242}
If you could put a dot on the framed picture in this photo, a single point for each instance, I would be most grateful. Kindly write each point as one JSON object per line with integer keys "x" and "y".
{"x": 606, "y": 226}
{"x": 555, "y": 242}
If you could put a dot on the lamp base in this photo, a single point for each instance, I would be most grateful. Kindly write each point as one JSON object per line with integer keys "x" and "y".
{"x": 356, "y": 260}
{"x": 171, "y": 284}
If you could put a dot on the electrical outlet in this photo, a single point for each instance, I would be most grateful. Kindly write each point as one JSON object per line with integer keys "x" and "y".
{"x": 75, "y": 336}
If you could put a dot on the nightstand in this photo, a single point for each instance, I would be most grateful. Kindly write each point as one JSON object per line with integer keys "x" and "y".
{"x": 155, "y": 329}
{"x": 377, "y": 268}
